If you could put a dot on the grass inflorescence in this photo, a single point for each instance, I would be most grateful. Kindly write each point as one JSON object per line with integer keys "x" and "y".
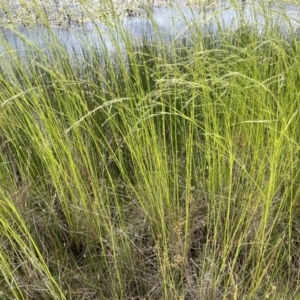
{"x": 158, "y": 171}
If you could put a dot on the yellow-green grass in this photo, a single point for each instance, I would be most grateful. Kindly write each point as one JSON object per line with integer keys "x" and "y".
{"x": 169, "y": 172}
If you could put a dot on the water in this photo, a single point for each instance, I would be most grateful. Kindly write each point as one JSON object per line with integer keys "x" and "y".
{"x": 173, "y": 21}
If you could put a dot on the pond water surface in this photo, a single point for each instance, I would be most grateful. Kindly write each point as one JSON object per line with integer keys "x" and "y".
{"x": 168, "y": 21}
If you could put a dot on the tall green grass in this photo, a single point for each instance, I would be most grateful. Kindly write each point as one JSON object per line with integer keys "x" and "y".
{"x": 162, "y": 171}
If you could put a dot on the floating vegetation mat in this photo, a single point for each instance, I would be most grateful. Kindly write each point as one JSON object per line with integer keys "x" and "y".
{"x": 68, "y": 12}
{"x": 55, "y": 12}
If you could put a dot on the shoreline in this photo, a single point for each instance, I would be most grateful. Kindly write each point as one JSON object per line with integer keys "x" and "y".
{"x": 70, "y": 13}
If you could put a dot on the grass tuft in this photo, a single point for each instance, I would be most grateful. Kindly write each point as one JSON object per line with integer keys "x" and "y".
{"x": 155, "y": 171}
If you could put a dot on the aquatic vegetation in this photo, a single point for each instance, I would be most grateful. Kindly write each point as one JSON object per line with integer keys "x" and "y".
{"x": 71, "y": 12}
